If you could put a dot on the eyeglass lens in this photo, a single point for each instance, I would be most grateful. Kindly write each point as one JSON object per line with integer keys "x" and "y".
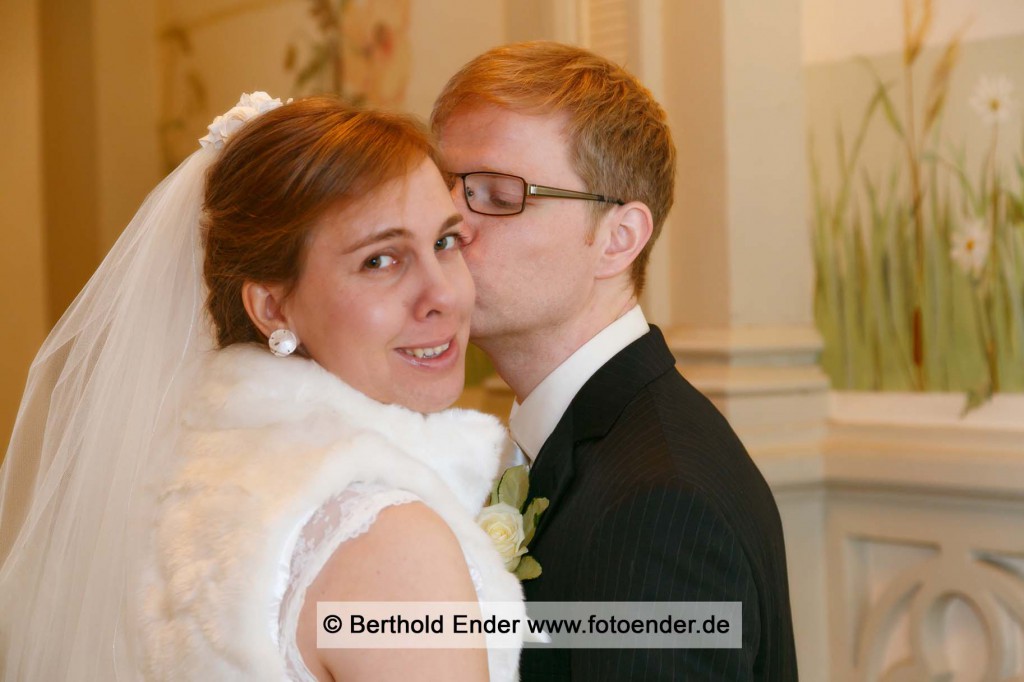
{"x": 494, "y": 194}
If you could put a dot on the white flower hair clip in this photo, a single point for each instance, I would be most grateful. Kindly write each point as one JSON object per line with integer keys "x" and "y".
{"x": 249, "y": 107}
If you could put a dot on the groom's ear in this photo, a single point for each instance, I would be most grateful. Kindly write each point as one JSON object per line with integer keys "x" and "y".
{"x": 624, "y": 232}
{"x": 263, "y": 303}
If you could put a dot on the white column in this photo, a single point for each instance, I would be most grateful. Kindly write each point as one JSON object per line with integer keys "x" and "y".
{"x": 739, "y": 289}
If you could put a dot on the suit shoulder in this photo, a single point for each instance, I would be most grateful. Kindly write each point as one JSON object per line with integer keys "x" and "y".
{"x": 670, "y": 428}
{"x": 670, "y": 453}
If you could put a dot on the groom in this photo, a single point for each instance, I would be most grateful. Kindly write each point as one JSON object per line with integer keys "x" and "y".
{"x": 564, "y": 170}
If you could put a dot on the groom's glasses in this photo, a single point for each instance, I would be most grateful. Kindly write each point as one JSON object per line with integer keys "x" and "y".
{"x": 503, "y": 194}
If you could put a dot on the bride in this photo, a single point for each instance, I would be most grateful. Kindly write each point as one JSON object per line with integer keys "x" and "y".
{"x": 241, "y": 415}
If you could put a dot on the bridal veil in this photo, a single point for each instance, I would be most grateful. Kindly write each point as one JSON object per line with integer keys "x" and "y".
{"x": 98, "y": 415}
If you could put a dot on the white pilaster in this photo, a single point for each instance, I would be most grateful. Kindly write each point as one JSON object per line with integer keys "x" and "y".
{"x": 739, "y": 252}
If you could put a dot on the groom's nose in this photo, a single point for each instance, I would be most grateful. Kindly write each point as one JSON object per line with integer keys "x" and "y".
{"x": 470, "y": 230}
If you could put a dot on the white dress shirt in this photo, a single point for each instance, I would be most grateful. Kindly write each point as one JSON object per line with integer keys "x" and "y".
{"x": 532, "y": 422}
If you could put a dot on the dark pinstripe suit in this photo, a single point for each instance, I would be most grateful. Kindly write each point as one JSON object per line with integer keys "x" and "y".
{"x": 653, "y": 498}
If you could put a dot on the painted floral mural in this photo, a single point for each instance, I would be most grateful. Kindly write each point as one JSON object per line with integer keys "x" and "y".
{"x": 361, "y": 51}
{"x": 358, "y": 49}
{"x": 920, "y": 268}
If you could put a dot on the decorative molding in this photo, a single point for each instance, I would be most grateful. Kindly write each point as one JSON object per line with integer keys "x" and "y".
{"x": 788, "y": 469}
{"x": 1004, "y": 413}
{"x": 914, "y": 442}
{"x": 730, "y": 380}
{"x": 779, "y": 345}
{"x": 925, "y": 554}
{"x": 925, "y": 590}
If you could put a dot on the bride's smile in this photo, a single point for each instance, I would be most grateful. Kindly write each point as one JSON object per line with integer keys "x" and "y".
{"x": 426, "y": 353}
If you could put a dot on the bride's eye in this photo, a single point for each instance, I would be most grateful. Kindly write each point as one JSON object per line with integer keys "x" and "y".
{"x": 378, "y": 262}
{"x": 449, "y": 241}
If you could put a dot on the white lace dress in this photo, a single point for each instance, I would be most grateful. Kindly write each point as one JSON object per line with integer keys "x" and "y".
{"x": 279, "y": 464}
{"x": 345, "y": 516}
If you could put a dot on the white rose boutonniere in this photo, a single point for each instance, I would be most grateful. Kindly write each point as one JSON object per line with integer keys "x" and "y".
{"x": 511, "y": 527}
{"x": 504, "y": 524}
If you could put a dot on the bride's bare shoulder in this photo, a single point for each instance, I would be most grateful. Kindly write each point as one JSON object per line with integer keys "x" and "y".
{"x": 408, "y": 554}
{"x": 412, "y": 555}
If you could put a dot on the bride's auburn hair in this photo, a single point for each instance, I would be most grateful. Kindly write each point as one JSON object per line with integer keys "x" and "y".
{"x": 274, "y": 180}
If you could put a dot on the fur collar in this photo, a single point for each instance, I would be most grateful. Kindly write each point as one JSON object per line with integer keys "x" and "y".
{"x": 245, "y": 387}
{"x": 266, "y": 442}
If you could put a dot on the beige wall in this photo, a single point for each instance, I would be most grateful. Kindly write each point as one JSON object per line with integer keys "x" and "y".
{"x": 444, "y": 36}
{"x": 127, "y": 161}
{"x": 21, "y": 203}
{"x": 101, "y": 154}
{"x": 69, "y": 147}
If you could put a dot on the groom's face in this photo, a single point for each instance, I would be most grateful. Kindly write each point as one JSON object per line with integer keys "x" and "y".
{"x": 534, "y": 271}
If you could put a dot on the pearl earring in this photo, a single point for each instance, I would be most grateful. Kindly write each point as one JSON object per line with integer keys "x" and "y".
{"x": 283, "y": 343}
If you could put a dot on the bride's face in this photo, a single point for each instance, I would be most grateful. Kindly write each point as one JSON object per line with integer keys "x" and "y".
{"x": 384, "y": 298}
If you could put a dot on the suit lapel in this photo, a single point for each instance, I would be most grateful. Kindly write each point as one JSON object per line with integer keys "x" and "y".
{"x": 552, "y": 469}
{"x": 592, "y": 413}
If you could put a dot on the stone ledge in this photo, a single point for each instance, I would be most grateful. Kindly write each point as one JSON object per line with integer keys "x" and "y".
{"x": 919, "y": 442}
{"x": 732, "y": 380}
{"x": 771, "y": 346}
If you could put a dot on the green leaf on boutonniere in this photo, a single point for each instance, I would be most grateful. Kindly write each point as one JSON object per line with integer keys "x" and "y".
{"x": 494, "y": 491}
{"x": 533, "y": 511}
{"x": 528, "y": 568}
{"x": 513, "y": 486}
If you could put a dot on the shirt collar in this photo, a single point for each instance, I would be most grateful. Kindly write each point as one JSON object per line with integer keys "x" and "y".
{"x": 532, "y": 421}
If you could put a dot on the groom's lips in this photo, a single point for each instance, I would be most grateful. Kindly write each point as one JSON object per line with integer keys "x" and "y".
{"x": 434, "y": 355}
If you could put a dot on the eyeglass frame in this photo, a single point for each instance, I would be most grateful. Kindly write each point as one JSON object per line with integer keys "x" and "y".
{"x": 532, "y": 190}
